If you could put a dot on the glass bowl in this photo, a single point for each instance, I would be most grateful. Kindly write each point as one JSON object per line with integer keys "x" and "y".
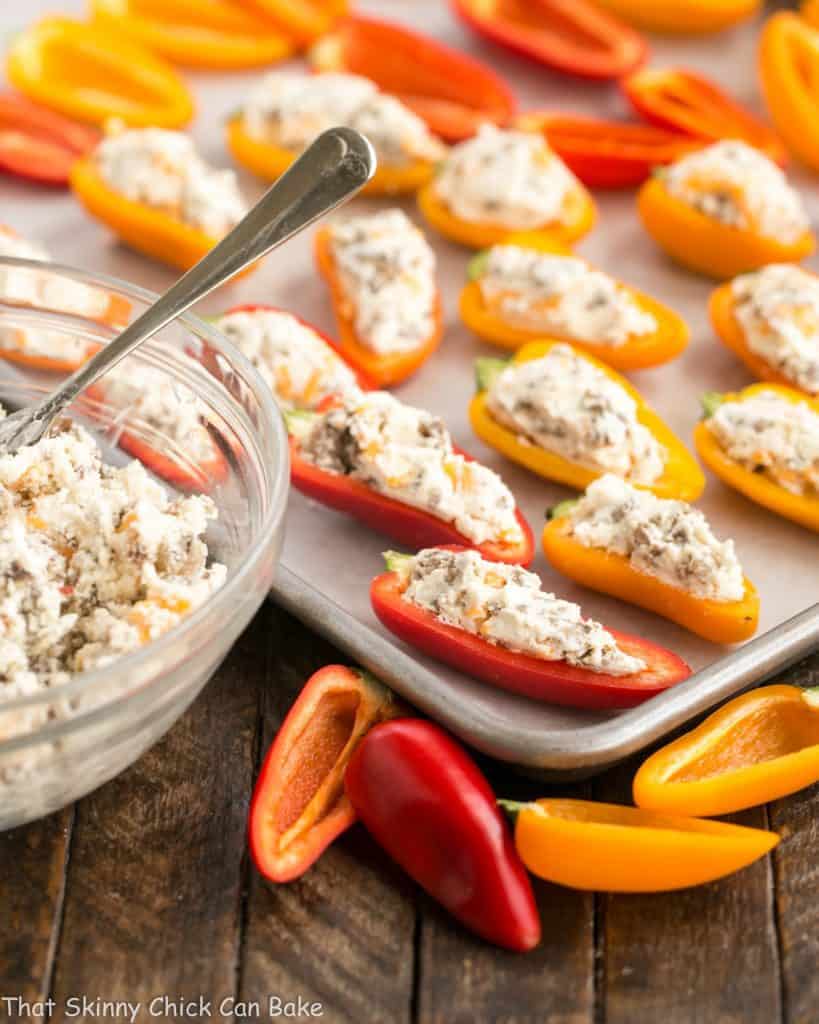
{"x": 66, "y": 740}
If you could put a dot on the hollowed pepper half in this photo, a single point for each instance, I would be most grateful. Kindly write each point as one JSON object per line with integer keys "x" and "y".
{"x": 788, "y": 69}
{"x": 682, "y": 17}
{"x": 682, "y": 478}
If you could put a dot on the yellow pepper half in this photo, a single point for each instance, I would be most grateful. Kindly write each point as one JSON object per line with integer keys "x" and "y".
{"x": 269, "y": 162}
{"x": 704, "y": 244}
{"x": 95, "y": 73}
{"x": 722, "y": 622}
{"x": 196, "y": 33}
{"x": 682, "y": 477}
{"x": 801, "y": 508}
{"x": 148, "y": 230}
{"x": 757, "y": 748}
{"x": 610, "y": 848}
{"x": 682, "y": 17}
{"x": 638, "y": 353}
{"x": 579, "y": 216}
{"x": 788, "y": 70}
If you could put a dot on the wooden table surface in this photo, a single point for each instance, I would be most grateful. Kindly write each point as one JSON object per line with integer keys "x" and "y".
{"x": 143, "y": 891}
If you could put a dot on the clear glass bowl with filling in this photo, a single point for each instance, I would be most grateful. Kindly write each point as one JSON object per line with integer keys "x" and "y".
{"x": 64, "y": 741}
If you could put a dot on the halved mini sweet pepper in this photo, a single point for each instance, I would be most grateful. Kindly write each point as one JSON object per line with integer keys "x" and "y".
{"x": 302, "y": 20}
{"x": 269, "y": 162}
{"x": 758, "y": 487}
{"x": 607, "y": 154}
{"x": 611, "y": 848}
{"x": 299, "y": 805}
{"x": 688, "y": 102}
{"x": 573, "y": 36}
{"x": 788, "y": 71}
{"x": 403, "y": 523}
{"x": 638, "y": 353}
{"x": 148, "y": 230}
{"x": 95, "y": 73}
{"x": 682, "y": 478}
{"x": 39, "y": 144}
{"x": 706, "y": 245}
{"x": 722, "y": 622}
{"x": 730, "y": 332}
{"x": 556, "y": 682}
{"x": 756, "y": 748}
{"x": 453, "y": 92}
{"x": 682, "y": 17}
{"x": 196, "y": 33}
{"x": 579, "y": 214}
{"x": 382, "y": 370}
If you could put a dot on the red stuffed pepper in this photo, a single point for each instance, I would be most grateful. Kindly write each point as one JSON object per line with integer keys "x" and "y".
{"x": 551, "y": 653}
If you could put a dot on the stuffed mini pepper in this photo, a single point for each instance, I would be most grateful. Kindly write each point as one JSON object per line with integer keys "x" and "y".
{"x": 494, "y": 622}
{"x": 518, "y": 293}
{"x": 569, "y": 418}
{"x": 764, "y": 442}
{"x": 658, "y": 553}
{"x": 394, "y": 468}
{"x": 381, "y": 274}
{"x": 724, "y": 210}
{"x": 504, "y": 181}
{"x": 156, "y": 193}
{"x": 287, "y": 110}
{"x": 770, "y": 319}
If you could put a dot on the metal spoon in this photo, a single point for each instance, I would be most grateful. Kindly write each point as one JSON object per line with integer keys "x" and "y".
{"x": 329, "y": 171}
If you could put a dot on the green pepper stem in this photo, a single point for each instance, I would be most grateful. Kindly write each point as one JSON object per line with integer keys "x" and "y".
{"x": 487, "y": 371}
{"x": 477, "y": 265}
{"x": 562, "y": 509}
{"x": 396, "y": 561}
{"x": 710, "y": 402}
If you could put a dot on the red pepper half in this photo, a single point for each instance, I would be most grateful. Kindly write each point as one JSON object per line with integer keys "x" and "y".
{"x": 424, "y": 800}
{"x": 299, "y": 806}
{"x": 688, "y": 102}
{"x": 39, "y": 144}
{"x": 452, "y": 92}
{"x": 553, "y": 681}
{"x": 607, "y": 154}
{"x": 573, "y": 36}
{"x": 405, "y": 524}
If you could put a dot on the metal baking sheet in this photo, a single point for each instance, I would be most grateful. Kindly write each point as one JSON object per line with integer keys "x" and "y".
{"x": 329, "y": 560}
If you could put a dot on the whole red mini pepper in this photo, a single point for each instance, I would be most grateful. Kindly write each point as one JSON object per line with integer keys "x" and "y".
{"x": 425, "y": 801}
{"x": 39, "y": 144}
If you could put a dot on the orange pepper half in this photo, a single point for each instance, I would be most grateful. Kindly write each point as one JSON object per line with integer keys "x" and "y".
{"x": 789, "y": 73}
{"x": 94, "y": 73}
{"x": 303, "y": 20}
{"x": 722, "y": 622}
{"x": 801, "y": 508}
{"x": 196, "y": 33}
{"x": 682, "y": 17}
{"x": 757, "y": 748}
{"x": 579, "y": 210}
{"x": 682, "y": 477}
{"x": 704, "y": 244}
{"x": 638, "y": 353}
{"x": 610, "y": 848}
{"x": 381, "y": 370}
{"x": 269, "y": 162}
{"x": 148, "y": 230}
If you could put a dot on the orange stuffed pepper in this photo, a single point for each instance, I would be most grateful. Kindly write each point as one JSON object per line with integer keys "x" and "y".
{"x": 156, "y": 193}
{"x": 287, "y": 109}
{"x": 570, "y": 418}
{"x": 385, "y": 332}
{"x": 724, "y": 210}
{"x": 502, "y": 182}
{"x": 524, "y": 289}
{"x": 656, "y": 553}
{"x": 764, "y": 442}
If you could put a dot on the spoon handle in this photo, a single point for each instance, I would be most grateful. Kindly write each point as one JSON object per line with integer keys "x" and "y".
{"x": 332, "y": 169}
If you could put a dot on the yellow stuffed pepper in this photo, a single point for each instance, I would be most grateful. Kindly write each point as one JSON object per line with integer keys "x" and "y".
{"x": 153, "y": 190}
{"x": 656, "y": 553}
{"x": 527, "y": 288}
{"x": 764, "y": 442}
{"x": 286, "y": 110}
{"x": 724, "y": 210}
{"x": 570, "y": 418}
{"x": 500, "y": 182}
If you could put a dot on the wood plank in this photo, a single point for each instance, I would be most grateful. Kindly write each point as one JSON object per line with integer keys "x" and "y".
{"x": 697, "y": 956}
{"x": 153, "y": 900}
{"x": 32, "y": 876}
{"x": 343, "y": 934}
